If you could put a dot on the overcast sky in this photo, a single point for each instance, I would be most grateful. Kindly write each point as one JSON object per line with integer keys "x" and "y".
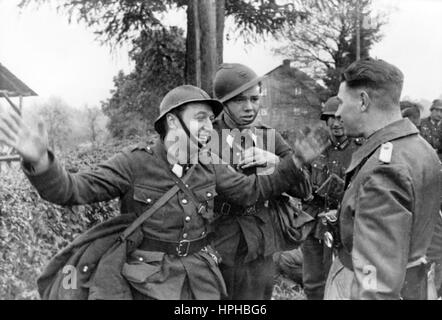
{"x": 57, "y": 58}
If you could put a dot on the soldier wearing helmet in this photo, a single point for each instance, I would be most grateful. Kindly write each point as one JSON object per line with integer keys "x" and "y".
{"x": 172, "y": 258}
{"x": 431, "y": 127}
{"x": 327, "y": 178}
{"x": 245, "y": 235}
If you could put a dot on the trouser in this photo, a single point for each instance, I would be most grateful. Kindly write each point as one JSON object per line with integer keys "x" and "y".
{"x": 317, "y": 262}
{"x": 252, "y": 280}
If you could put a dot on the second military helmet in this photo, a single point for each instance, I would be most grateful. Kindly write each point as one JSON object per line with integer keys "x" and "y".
{"x": 330, "y": 108}
{"x": 233, "y": 78}
{"x": 180, "y": 96}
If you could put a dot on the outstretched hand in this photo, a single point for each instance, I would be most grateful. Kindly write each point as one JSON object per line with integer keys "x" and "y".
{"x": 310, "y": 145}
{"x": 31, "y": 144}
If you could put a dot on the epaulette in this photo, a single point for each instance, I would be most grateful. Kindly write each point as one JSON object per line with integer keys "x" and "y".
{"x": 386, "y": 152}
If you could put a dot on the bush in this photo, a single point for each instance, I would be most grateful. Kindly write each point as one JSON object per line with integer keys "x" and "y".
{"x": 32, "y": 230}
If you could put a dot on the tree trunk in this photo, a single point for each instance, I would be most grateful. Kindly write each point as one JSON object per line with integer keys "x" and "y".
{"x": 192, "y": 72}
{"x": 207, "y": 20}
{"x": 205, "y": 28}
{"x": 220, "y": 17}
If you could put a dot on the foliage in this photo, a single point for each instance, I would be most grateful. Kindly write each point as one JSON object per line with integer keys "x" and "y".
{"x": 159, "y": 57}
{"x": 121, "y": 20}
{"x": 326, "y": 44}
{"x": 33, "y": 230}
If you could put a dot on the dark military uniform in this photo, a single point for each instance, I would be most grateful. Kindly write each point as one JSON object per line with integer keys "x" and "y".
{"x": 174, "y": 261}
{"x": 432, "y": 132}
{"x": 247, "y": 241}
{"x": 387, "y": 215}
{"x": 317, "y": 257}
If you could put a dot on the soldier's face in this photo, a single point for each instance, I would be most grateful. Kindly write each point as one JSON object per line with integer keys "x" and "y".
{"x": 349, "y": 111}
{"x": 245, "y": 106}
{"x": 436, "y": 114}
{"x": 198, "y": 118}
{"x": 335, "y": 126}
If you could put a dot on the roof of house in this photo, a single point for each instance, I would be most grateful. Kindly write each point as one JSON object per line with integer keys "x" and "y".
{"x": 12, "y": 85}
{"x": 303, "y": 77}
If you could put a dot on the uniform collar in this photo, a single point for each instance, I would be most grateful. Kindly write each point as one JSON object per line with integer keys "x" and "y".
{"x": 340, "y": 145}
{"x": 393, "y": 131}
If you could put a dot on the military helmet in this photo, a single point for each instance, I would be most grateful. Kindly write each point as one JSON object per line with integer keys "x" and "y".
{"x": 182, "y": 95}
{"x": 233, "y": 78}
{"x": 437, "y": 104}
{"x": 330, "y": 108}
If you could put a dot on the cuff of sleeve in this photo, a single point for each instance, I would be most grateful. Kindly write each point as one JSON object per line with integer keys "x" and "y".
{"x": 42, "y": 178}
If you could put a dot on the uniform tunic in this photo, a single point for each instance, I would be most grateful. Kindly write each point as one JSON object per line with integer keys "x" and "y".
{"x": 247, "y": 241}
{"x": 139, "y": 177}
{"x": 388, "y": 213}
{"x": 432, "y": 132}
{"x": 317, "y": 257}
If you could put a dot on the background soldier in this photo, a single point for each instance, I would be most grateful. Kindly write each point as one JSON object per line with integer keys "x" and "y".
{"x": 327, "y": 196}
{"x": 411, "y": 111}
{"x": 392, "y": 196}
{"x": 244, "y": 235}
{"x": 173, "y": 259}
{"x": 431, "y": 127}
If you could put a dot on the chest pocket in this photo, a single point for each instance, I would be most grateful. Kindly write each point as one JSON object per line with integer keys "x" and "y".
{"x": 144, "y": 197}
{"x": 319, "y": 172}
{"x": 205, "y": 195}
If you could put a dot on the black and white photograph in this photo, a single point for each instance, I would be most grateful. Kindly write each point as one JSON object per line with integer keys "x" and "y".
{"x": 239, "y": 151}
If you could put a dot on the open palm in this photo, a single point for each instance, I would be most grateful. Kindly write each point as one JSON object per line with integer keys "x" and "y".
{"x": 31, "y": 144}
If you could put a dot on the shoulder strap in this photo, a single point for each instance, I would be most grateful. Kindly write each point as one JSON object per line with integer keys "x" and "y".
{"x": 181, "y": 185}
{"x": 146, "y": 214}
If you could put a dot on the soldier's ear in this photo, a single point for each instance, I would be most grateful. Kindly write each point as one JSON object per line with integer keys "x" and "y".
{"x": 365, "y": 101}
{"x": 172, "y": 121}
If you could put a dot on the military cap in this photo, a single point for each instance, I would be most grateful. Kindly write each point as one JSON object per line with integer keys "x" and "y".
{"x": 437, "y": 104}
{"x": 182, "y": 95}
{"x": 330, "y": 108}
{"x": 233, "y": 78}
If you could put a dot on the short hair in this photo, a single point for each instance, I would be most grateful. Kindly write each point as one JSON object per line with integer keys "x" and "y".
{"x": 380, "y": 78}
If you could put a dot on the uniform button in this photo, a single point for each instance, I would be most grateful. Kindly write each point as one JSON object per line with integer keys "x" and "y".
{"x": 187, "y": 219}
{"x": 187, "y": 186}
{"x": 203, "y": 233}
{"x": 184, "y": 235}
{"x": 184, "y": 201}
{"x": 148, "y": 200}
{"x": 85, "y": 269}
{"x": 140, "y": 259}
{"x": 209, "y": 194}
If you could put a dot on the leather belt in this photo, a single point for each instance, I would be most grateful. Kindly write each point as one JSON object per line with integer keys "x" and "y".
{"x": 226, "y": 208}
{"x": 181, "y": 248}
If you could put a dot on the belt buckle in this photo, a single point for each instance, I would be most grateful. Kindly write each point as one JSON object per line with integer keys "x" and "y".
{"x": 183, "y": 245}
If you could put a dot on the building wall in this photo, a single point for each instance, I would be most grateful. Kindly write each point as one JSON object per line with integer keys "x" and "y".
{"x": 288, "y": 105}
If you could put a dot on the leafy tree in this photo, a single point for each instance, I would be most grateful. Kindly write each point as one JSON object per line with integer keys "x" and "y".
{"x": 115, "y": 21}
{"x": 159, "y": 57}
{"x": 55, "y": 113}
{"x": 326, "y": 44}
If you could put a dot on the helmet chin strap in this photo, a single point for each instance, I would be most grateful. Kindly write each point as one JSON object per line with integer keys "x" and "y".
{"x": 191, "y": 136}
{"x": 235, "y": 120}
